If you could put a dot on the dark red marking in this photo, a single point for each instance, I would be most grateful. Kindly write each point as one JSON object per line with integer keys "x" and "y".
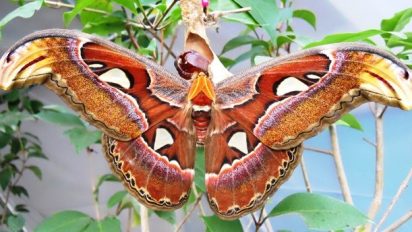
{"x": 40, "y": 58}
{"x": 381, "y": 79}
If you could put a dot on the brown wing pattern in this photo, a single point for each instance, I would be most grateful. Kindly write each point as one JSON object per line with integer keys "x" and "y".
{"x": 286, "y": 101}
{"x": 112, "y": 88}
{"x": 241, "y": 172}
{"x": 156, "y": 167}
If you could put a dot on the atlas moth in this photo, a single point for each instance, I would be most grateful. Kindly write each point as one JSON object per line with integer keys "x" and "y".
{"x": 153, "y": 120}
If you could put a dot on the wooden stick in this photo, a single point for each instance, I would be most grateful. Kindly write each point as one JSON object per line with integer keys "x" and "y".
{"x": 305, "y": 175}
{"x": 339, "y": 165}
{"x": 399, "y": 222}
{"x": 395, "y": 199}
{"x": 378, "y": 193}
{"x": 144, "y": 218}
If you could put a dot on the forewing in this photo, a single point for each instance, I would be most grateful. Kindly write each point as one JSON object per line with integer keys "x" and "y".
{"x": 287, "y": 100}
{"x": 157, "y": 167}
{"x": 241, "y": 172}
{"x": 115, "y": 90}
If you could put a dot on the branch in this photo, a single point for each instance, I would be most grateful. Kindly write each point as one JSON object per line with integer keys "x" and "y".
{"x": 378, "y": 195}
{"x": 339, "y": 165}
{"x": 144, "y": 217}
{"x": 318, "y": 150}
{"x": 399, "y": 222}
{"x": 179, "y": 227}
{"x": 305, "y": 175}
{"x": 395, "y": 199}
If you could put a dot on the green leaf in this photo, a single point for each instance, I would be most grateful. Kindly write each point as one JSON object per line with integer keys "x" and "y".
{"x": 116, "y": 198}
{"x": 346, "y": 37}
{"x": 5, "y": 176}
{"x": 5, "y": 138}
{"x": 350, "y": 121}
{"x": 267, "y": 14}
{"x": 15, "y": 223}
{"x": 252, "y": 53}
{"x": 397, "y": 22}
{"x": 243, "y": 40}
{"x": 59, "y": 117}
{"x": 244, "y": 18}
{"x": 82, "y": 138}
{"x": 65, "y": 221}
{"x": 19, "y": 190}
{"x": 200, "y": 169}
{"x": 127, "y": 4}
{"x": 102, "y": 179}
{"x": 80, "y": 5}
{"x": 215, "y": 224}
{"x": 25, "y": 11}
{"x": 306, "y": 15}
{"x": 114, "y": 23}
{"x": 320, "y": 212}
{"x": 36, "y": 171}
{"x": 108, "y": 224}
{"x": 227, "y": 62}
{"x": 168, "y": 216}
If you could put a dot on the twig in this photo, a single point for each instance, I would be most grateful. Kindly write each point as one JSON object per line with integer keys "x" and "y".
{"x": 70, "y": 6}
{"x": 318, "y": 150}
{"x": 368, "y": 141}
{"x": 305, "y": 175}
{"x": 378, "y": 193}
{"x": 339, "y": 165}
{"x": 144, "y": 217}
{"x": 129, "y": 31}
{"x": 179, "y": 227}
{"x": 92, "y": 173}
{"x": 129, "y": 220}
{"x": 202, "y": 210}
{"x": 164, "y": 15}
{"x": 172, "y": 43}
{"x": 266, "y": 222}
{"x": 399, "y": 222}
{"x": 402, "y": 188}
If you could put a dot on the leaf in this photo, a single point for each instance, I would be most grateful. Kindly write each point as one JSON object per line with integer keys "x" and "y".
{"x": 397, "y": 22}
{"x": 262, "y": 59}
{"x": 168, "y": 216}
{"x": 350, "y": 121}
{"x": 25, "y": 11}
{"x": 15, "y": 223}
{"x": 80, "y": 5}
{"x": 306, "y": 15}
{"x": 346, "y": 37}
{"x": 36, "y": 171}
{"x": 200, "y": 169}
{"x": 215, "y": 224}
{"x": 267, "y": 14}
{"x": 108, "y": 224}
{"x": 102, "y": 179}
{"x": 5, "y": 176}
{"x": 82, "y": 138}
{"x": 320, "y": 212}
{"x": 60, "y": 117}
{"x": 65, "y": 221}
{"x": 243, "y": 40}
{"x": 5, "y": 138}
{"x": 244, "y": 18}
{"x": 116, "y": 198}
{"x": 127, "y": 4}
{"x": 19, "y": 190}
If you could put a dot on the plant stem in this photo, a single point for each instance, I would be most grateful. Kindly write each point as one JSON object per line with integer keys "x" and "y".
{"x": 339, "y": 165}
{"x": 318, "y": 150}
{"x": 164, "y": 15}
{"x": 198, "y": 199}
{"x": 305, "y": 175}
{"x": 399, "y": 222}
{"x": 395, "y": 199}
{"x": 144, "y": 216}
{"x": 378, "y": 193}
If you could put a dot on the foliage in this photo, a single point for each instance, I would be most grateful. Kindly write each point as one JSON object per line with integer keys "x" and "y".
{"x": 148, "y": 27}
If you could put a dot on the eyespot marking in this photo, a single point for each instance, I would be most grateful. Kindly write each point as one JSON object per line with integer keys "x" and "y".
{"x": 290, "y": 85}
{"x": 239, "y": 141}
{"x": 117, "y": 77}
{"x": 163, "y": 138}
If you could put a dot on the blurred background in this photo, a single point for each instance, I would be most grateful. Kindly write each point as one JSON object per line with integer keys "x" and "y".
{"x": 68, "y": 177}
